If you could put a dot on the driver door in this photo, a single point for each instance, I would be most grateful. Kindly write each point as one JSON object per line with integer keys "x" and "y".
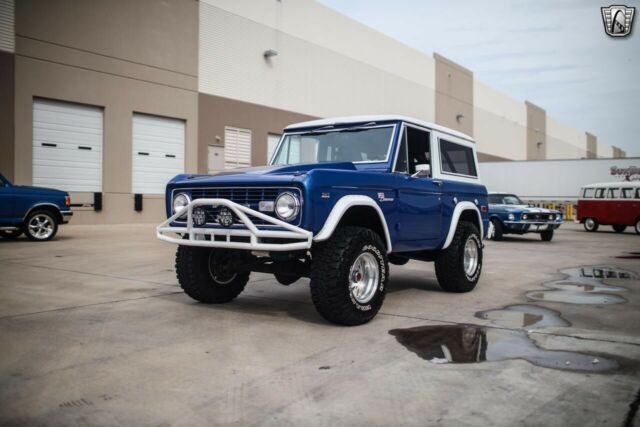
{"x": 419, "y": 198}
{"x": 6, "y": 200}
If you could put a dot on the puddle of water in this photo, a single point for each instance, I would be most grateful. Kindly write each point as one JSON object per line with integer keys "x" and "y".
{"x": 475, "y": 344}
{"x": 524, "y": 316}
{"x": 585, "y": 285}
{"x": 569, "y": 297}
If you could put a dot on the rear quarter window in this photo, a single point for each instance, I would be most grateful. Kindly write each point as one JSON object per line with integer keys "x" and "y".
{"x": 457, "y": 159}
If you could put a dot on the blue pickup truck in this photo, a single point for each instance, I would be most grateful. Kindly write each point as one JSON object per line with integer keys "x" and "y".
{"x": 340, "y": 200}
{"x": 34, "y": 211}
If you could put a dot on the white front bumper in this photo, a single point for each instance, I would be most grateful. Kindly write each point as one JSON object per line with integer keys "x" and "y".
{"x": 196, "y": 236}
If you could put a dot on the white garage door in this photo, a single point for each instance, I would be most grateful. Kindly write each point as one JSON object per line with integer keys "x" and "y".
{"x": 67, "y": 146}
{"x": 158, "y": 152}
{"x": 237, "y": 147}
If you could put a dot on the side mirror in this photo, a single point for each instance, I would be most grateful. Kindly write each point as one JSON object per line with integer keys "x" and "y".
{"x": 422, "y": 171}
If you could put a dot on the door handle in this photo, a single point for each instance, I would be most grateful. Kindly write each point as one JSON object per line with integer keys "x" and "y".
{"x": 437, "y": 182}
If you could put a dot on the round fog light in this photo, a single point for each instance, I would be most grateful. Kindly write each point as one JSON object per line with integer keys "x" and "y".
{"x": 225, "y": 217}
{"x": 199, "y": 216}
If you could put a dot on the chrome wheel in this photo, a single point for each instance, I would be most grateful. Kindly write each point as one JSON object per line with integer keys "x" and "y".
{"x": 364, "y": 277}
{"x": 470, "y": 257}
{"x": 41, "y": 226}
{"x": 221, "y": 268}
{"x": 589, "y": 224}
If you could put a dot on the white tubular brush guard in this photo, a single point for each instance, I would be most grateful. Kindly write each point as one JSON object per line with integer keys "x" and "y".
{"x": 196, "y": 235}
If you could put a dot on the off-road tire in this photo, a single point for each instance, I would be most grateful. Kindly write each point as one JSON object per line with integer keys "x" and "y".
{"x": 546, "y": 236}
{"x": 10, "y": 234}
{"x": 29, "y": 232}
{"x": 591, "y": 224}
{"x": 450, "y": 262}
{"x": 619, "y": 228}
{"x": 196, "y": 279}
{"x": 331, "y": 265}
{"x": 497, "y": 230}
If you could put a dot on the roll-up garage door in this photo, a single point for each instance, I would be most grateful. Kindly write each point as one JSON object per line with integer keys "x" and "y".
{"x": 237, "y": 147}
{"x": 158, "y": 152}
{"x": 67, "y": 146}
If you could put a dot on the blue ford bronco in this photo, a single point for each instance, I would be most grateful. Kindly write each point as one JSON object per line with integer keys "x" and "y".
{"x": 510, "y": 215}
{"x": 340, "y": 200}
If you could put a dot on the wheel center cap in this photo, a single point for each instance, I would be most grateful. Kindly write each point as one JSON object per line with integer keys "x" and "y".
{"x": 357, "y": 276}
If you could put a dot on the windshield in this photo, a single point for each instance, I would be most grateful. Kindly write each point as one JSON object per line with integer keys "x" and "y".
{"x": 504, "y": 199}
{"x": 346, "y": 145}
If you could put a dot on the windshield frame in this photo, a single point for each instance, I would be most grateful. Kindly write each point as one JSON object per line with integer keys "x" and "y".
{"x": 321, "y": 130}
{"x": 503, "y": 195}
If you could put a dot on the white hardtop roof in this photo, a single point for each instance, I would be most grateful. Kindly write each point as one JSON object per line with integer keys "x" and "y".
{"x": 614, "y": 184}
{"x": 376, "y": 118}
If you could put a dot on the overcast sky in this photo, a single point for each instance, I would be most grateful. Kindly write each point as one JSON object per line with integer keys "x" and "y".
{"x": 553, "y": 53}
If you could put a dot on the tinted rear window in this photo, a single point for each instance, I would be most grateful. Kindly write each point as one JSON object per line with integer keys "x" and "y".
{"x": 457, "y": 159}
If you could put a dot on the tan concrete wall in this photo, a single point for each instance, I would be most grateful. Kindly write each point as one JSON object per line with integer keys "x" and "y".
{"x": 454, "y": 95}
{"x": 499, "y": 124}
{"x": 158, "y": 33}
{"x": 7, "y": 62}
{"x": 536, "y": 132}
{"x": 592, "y": 146}
{"x": 215, "y": 113}
{"x": 565, "y": 142}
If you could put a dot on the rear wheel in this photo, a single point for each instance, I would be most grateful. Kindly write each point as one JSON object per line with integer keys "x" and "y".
{"x": 10, "y": 234}
{"x": 591, "y": 224}
{"x": 349, "y": 276}
{"x": 208, "y": 275}
{"x": 40, "y": 226}
{"x": 638, "y": 226}
{"x": 497, "y": 229}
{"x": 458, "y": 267}
{"x": 619, "y": 228}
{"x": 546, "y": 236}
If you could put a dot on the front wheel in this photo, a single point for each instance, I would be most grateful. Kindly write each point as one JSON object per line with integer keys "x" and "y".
{"x": 212, "y": 276}
{"x": 40, "y": 226}
{"x": 349, "y": 276}
{"x": 458, "y": 267}
{"x": 546, "y": 236}
{"x": 591, "y": 224}
{"x": 619, "y": 228}
{"x": 638, "y": 226}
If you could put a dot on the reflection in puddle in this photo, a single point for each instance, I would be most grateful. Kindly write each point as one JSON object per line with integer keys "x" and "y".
{"x": 524, "y": 316}
{"x": 473, "y": 344}
{"x": 585, "y": 285}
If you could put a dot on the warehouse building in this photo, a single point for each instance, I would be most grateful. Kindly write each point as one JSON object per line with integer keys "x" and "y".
{"x": 110, "y": 99}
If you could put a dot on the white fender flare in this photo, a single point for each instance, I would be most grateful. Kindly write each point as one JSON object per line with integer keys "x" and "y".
{"x": 457, "y": 211}
{"x": 341, "y": 207}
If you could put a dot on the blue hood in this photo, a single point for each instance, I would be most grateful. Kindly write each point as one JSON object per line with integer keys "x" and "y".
{"x": 39, "y": 190}
{"x": 259, "y": 174}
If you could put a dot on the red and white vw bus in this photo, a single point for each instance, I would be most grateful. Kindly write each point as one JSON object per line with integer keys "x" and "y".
{"x": 614, "y": 203}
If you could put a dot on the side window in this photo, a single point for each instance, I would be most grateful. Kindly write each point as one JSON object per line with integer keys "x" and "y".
{"x": 613, "y": 193}
{"x": 401, "y": 161}
{"x": 588, "y": 193}
{"x": 419, "y": 152}
{"x": 627, "y": 193}
{"x": 599, "y": 193}
{"x": 457, "y": 159}
{"x": 637, "y": 193}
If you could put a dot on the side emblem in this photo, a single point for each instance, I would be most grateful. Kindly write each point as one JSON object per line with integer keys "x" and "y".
{"x": 618, "y": 20}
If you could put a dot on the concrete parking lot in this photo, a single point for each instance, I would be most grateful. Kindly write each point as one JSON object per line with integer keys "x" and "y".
{"x": 94, "y": 330}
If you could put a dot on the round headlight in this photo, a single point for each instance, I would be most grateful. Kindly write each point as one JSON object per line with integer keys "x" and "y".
{"x": 180, "y": 203}
{"x": 512, "y": 217}
{"x": 524, "y": 216}
{"x": 559, "y": 217}
{"x": 287, "y": 206}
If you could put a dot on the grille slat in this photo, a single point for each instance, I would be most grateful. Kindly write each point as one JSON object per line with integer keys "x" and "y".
{"x": 249, "y": 197}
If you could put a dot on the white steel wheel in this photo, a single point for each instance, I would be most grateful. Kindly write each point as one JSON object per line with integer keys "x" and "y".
{"x": 590, "y": 224}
